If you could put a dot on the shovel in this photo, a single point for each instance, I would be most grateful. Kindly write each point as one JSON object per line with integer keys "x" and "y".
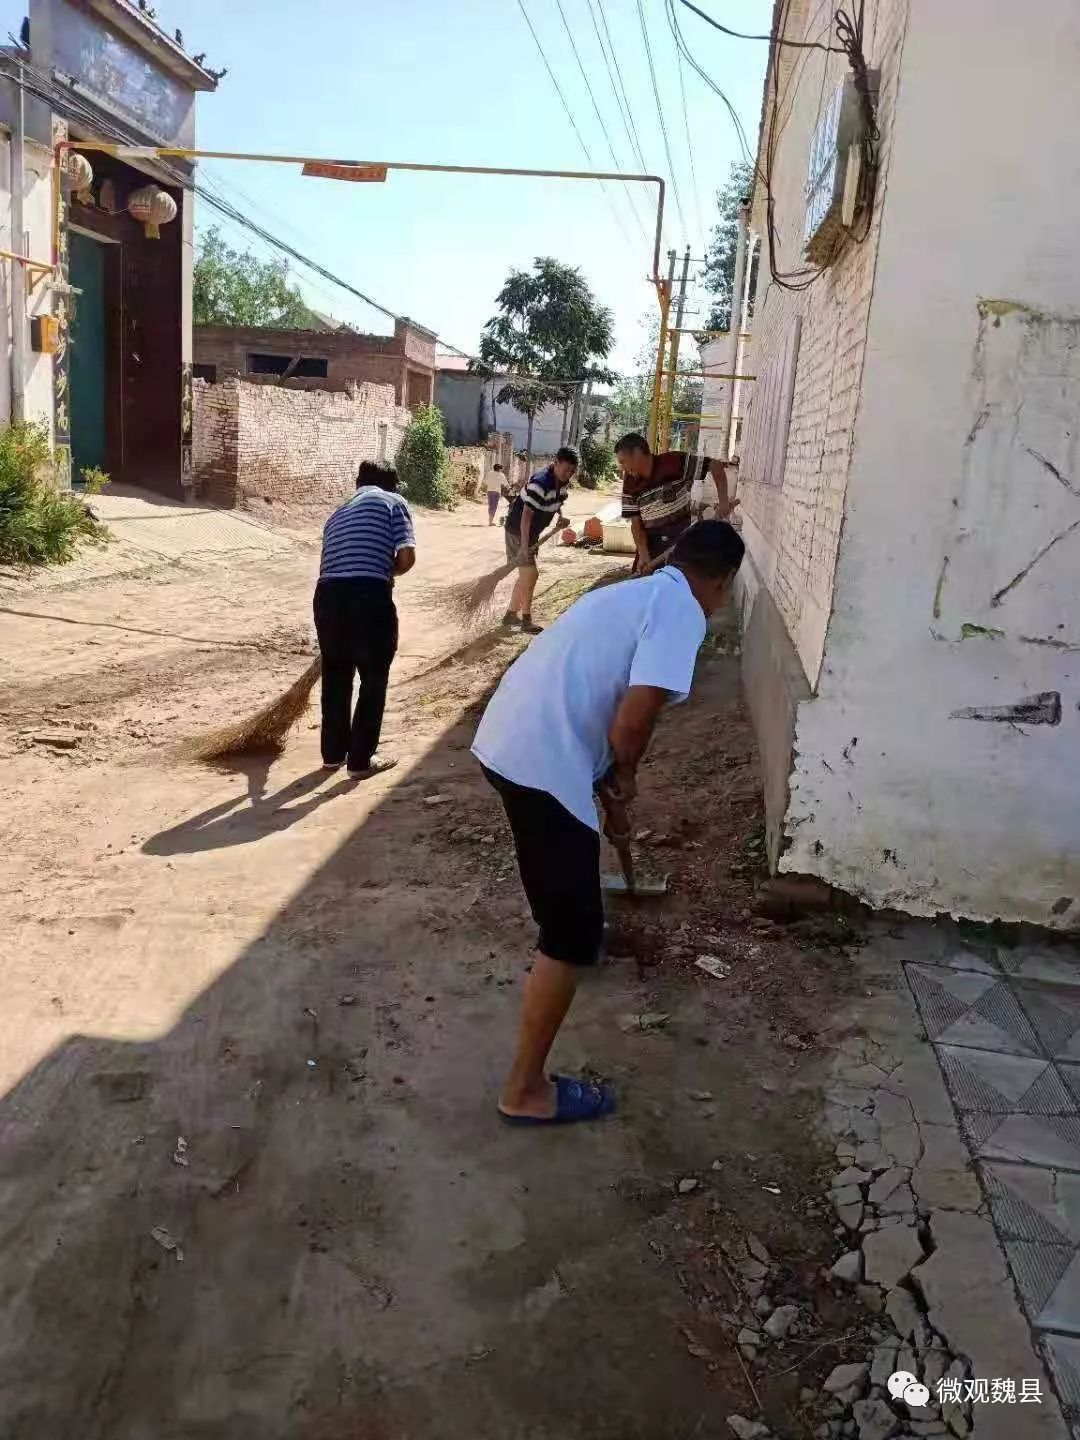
{"x": 627, "y": 883}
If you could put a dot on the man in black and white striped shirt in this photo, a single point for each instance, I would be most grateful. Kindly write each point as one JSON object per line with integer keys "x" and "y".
{"x": 539, "y": 502}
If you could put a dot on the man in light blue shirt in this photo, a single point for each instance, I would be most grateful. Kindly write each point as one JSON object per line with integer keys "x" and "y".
{"x": 571, "y": 719}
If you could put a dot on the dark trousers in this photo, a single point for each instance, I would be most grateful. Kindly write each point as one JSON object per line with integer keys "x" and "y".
{"x": 357, "y": 626}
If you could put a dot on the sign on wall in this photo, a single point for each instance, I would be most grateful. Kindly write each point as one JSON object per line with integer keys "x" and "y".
{"x": 62, "y": 316}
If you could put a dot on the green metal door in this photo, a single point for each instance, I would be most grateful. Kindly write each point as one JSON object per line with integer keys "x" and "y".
{"x": 87, "y": 367}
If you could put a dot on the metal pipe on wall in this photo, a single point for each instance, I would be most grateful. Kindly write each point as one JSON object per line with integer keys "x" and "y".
{"x": 735, "y": 318}
{"x": 19, "y": 334}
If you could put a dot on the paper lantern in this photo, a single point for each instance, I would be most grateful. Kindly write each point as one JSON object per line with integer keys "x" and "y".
{"x": 152, "y": 207}
{"x": 81, "y": 174}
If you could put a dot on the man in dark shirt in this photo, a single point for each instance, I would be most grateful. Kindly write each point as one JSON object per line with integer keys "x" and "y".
{"x": 539, "y": 502}
{"x": 656, "y": 494}
{"x": 366, "y": 542}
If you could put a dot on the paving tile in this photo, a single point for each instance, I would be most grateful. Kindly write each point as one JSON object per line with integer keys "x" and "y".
{"x": 1071, "y": 1076}
{"x": 998, "y": 1084}
{"x": 1048, "y": 1140}
{"x": 1054, "y": 1011}
{"x": 962, "y": 1007}
{"x": 1038, "y": 1271}
{"x": 1041, "y": 962}
{"x": 1062, "y": 1310}
{"x": 1031, "y": 1203}
{"x": 1063, "y": 1352}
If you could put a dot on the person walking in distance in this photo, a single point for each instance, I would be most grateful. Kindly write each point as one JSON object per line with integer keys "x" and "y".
{"x": 366, "y": 543}
{"x": 658, "y": 491}
{"x": 496, "y": 489}
{"x": 573, "y": 717}
{"x": 538, "y": 503}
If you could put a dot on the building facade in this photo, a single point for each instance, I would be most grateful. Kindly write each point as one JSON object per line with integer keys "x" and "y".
{"x": 100, "y": 348}
{"x": 471, "y": 411}
{"x": 910, "y": 467}
{"x": 321, "y": 360}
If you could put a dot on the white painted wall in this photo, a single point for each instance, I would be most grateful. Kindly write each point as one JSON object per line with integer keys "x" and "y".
{"x": 547, "y": 430}
{"x": 37, "y": 212}
{"x": 892, "y": 798}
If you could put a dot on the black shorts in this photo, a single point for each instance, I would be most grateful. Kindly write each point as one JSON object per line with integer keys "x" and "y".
{"x": 559, "y": 860}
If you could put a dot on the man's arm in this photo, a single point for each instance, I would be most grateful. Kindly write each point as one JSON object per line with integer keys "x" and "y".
{"x": 629, "y": 736}
{"x": 640, "y": 538}
{"x": 527, "y": 513}
{"x": 405, "y": 559}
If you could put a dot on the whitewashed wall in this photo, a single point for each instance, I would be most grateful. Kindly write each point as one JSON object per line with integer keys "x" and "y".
{"x": 958, "y": 578}
{"x": 37, "y": 212}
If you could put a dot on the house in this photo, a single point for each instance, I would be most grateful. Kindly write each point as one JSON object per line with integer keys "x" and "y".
{"x": 471, "y": 411}
{"x": 910, "y": 466}
{"x": 726, "y": 361}
{"x": 101, "y": 344}
{"x": 332, "y": 357}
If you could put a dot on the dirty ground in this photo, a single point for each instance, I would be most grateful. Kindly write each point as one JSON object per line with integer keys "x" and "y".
{"x": 251, "y": 1178}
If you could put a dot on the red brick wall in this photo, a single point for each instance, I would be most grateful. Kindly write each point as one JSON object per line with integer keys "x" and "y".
{"x": 255, "y": 444}
{"x": 351, "y": 358}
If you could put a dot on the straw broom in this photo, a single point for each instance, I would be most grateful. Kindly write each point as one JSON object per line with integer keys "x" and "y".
{"x": 261, "y": 733}
{"x": 472, "y": 601}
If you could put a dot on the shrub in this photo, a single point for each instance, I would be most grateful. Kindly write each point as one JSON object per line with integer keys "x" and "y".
{"x": 39, "y": 525}
{"x": 423, "y": 461}
{"x": 597, "y": 462}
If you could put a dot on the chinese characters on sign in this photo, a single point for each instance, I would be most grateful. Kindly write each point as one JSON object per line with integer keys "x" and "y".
{"x": 62, "y": 316}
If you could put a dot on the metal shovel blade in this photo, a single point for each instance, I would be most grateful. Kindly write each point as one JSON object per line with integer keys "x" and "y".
{"x": 617, "y": 885}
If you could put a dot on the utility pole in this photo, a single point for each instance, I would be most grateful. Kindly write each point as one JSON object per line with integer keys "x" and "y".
{"x": 680, "y": 305}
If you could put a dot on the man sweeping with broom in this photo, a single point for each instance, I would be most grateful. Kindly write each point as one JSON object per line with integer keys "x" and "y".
{"x": 366, "y": 543}
{"x": 538, "y": 503}
{"x": 573, "y": 716}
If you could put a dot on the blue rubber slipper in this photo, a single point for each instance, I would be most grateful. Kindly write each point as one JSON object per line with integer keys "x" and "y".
{"x": 576, "y": 1100}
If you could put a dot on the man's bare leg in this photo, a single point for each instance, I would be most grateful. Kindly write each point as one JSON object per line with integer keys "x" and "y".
{"x": 549, "y": 989}
{"x": 521, "y": 596}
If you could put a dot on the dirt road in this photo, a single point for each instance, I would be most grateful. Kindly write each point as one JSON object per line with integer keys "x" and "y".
{"x": 252, "y": 1183}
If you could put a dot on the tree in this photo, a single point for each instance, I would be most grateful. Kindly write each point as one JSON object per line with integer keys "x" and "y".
{"x": 549, "y": 329}
{"x": 719, "y": 273}
{"x": 423, "y": 460}
{"x": 234, "y": 287}
{"x": 631, "y": 399}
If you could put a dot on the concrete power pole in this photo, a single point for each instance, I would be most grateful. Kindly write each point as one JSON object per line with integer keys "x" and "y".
{"x": 676, "y": 336}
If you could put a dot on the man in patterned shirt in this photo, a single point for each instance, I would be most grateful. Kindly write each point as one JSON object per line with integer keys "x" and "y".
{"x": 532, "y": 510}
{"x": 656, "y": 496}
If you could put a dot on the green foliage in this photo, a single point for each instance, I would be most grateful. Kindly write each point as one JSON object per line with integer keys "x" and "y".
{"x": 631, "y": 399}
{"x": 719, "y": 273}
{"x": 234, "y": 287}
{"x": 549, "y": 328}
{"x": 93, "y": 480}
{"x": 597, "y": 457}
{"x": 39, "y": 525}
{"x": 423, "y": 461}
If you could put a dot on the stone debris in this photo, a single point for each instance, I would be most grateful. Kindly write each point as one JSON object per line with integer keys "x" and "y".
{"x": 885, "y": 1184}
{"x": 902, "y": 1310}
{"x": 688, "y": 1185}
{"x": 883, "y": 1364}
{"x": 846, "y": 1377}
{"x": 781, "y": 1321}
{"x": 848, "y": 1269}
{"x": 891, "y": 1254}
{"x": 874, "y": 1419}
{"x": 851, "y": 1176}
{"x": 744, "y": 1429}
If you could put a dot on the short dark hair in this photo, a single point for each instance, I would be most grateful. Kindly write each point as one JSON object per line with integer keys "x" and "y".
{"x": 632, "y": 441}
{"x": 568, "y": 455}
{"x": 711, "y": 548}
{"x": 498, "y": 469}
{"x": 370, "y": 472}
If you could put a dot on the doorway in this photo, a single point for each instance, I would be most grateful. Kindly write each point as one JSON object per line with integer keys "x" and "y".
{"x": 87, "y": 364}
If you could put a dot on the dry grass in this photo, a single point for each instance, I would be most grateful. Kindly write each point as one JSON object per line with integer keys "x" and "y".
{"x": 264, "y": 732}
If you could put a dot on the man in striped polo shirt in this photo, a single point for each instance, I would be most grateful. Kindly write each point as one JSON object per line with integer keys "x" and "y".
{"x": 366, "y": 542}
{"x": 656, "y": 496}
{"x": 532, "y": 510}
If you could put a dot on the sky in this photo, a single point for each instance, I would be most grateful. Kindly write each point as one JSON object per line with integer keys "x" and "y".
{"x": 424, "y": 80}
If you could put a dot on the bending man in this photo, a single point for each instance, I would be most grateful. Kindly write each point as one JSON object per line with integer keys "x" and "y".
{"x": 572, "y": 717}
{"x": 531, "y": 511}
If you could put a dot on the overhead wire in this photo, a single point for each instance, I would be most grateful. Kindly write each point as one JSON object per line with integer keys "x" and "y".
{"x": 689, "y": 142}
{"x": 660, "y": 115}
{"x": 617, "y": 87}
{"x": 600, "y": 119}
{"x": 739, "y": 35}
{"x": 570, "y": 116}
{"x": 638, "y": 151}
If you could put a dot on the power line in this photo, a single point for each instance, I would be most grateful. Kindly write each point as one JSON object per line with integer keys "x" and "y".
{"x": 599, "y": 116}
{"x": 688, "y": 55}
{"x": 660, "y": 115}
{"x": 624, "y": 113}
{"x": 739, "y": 35}
{"x": 570, "y": 117}
{"x": 689, "y": 144}
{"x": 622, "y": 88}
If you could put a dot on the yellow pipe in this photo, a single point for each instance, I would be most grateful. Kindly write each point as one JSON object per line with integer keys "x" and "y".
{"x": 150, "y": 152}
{"x": 664, "y": 296}
{"x": 709, "y": 374}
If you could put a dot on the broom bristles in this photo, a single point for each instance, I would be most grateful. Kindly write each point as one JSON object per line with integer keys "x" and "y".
{"x": 264, "y": 731}
{"x": 472, "y": 600}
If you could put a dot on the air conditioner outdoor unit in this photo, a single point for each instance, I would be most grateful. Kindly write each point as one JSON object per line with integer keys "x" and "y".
{"x": 834, "y": 190}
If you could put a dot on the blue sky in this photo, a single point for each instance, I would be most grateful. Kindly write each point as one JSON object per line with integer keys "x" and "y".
{"x": 463, "y": 83}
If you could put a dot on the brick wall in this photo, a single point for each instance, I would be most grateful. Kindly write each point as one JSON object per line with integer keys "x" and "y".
{"x": 254, "y": 444}
{"x": 405, "y": 360}
{"x": 798, "y": 524}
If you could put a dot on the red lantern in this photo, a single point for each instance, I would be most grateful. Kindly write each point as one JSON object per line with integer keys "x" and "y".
{"x": 81, "y": 174}
{"x": 152, "y": 207}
